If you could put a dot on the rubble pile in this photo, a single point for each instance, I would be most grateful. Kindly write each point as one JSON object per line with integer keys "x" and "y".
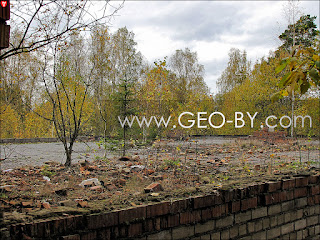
{"x": 106, "y": 184}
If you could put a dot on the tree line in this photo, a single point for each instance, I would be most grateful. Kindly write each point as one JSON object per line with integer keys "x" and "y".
{"x": 79, "y": 85}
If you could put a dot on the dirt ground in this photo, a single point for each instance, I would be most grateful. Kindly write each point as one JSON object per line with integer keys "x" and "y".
{"x": 35, "y": 183}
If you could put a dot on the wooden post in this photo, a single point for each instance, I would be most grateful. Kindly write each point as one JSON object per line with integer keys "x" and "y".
{"x": 4, "y": 28}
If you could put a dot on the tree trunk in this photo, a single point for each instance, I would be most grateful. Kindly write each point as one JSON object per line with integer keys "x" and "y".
{"x": 105, "y": 139}
{"x": 68, "y": 153}
{"x": 124, "y": 141}
{"x": 68, "y": 161}
{"x": 292, "y": 113}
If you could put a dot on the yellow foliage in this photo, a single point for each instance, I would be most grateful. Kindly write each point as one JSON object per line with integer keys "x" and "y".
{"x": 10, "y": 123}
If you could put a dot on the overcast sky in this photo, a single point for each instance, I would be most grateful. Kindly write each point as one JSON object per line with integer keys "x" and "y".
{"x": 210, "y": 28}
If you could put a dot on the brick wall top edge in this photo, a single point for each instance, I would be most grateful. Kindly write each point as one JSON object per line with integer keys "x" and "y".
{"x": 195, "y": 202}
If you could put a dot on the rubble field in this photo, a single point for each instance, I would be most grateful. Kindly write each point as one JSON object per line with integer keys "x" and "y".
{"x": 162, "y": 171}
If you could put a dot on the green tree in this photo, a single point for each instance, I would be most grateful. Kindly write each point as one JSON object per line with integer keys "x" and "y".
{"x": 124, "y": 105}
{"x": 126, "y": 69}
{"x": 301, "y": 69}
{"x": 303, "y": 32}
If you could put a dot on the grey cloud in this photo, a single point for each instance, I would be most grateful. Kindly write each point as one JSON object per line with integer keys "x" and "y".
{"x": 201, "y": 21}
{"x": 189, "y": 21}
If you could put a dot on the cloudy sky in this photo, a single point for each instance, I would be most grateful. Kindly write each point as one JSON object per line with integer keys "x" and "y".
{"x": 211, "y": 28}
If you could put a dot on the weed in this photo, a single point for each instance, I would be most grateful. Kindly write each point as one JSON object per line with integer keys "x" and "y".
{"x": 171, "y": 162}
{"x": 3, "y": 196}
{"x": 46, "y": 172}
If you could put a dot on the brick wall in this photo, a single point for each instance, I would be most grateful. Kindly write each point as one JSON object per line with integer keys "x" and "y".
{"x": 287, "y": 209}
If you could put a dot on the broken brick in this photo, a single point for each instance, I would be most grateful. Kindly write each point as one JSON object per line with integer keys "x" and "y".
{"x": 153, "y": 187}
{"x": 96, "y": 188}
{"x": 157, "y": 178}
{"x": 27, "y": 204}
{"x": 111, "y": 187}
{"x": 83, "y": 204}
{"x": 46, "y": 205}
{"x": 118, "y": 193}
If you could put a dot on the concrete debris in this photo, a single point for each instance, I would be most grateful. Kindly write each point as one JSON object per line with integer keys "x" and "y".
{"x": 90, "y": 182}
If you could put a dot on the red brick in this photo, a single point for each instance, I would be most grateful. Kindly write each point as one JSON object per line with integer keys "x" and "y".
{"x": 288, "y": 184}
{"x": 148, "y": 225}
{"x": 261, "y": 187}
{"x": 206, "y": 214}
{"x": 242, "y": 193}
{"x": 300, "y": 192}
{"x": 228, "y": 195}
{"x": 267, "y": 199}
{"x": 311, "y": 201}
{"x": 276, "y": 197}
{"x": 96, "y": 188}
{"x": 135, "y": 229}
{"x": 173, "y": 220}
{"x": 83, "y": 204}
{"x": 314, "y": 190}
{"x": 203, "y": 201}
{"x": 216, "y": 211}
{"x": 283, "y": 196}
{"x": 158, "y": 209}
{"x": 313, "y": 179}
{"x": 196, "y": 216}
{"x": 235, "y": 206}
{"x": 27, "y": 204}
{"x": 302, "y": 181}
{"x": 74, "y": 223}
{"x": 273, "y": 186}
{"x": 253, "y": 190}
{"x": 179, "y": 206}
{"x": 96, "y": 221}
{"x": 185, "y": 218}
{"x": 218, "y": 199}
{"x": 123, "y": 231}
{"x": 104, "y": 234}
{"x": 31, "y": 229}
{"x": 43, "y": 229}
{"x": 190, "y": 217}
{"x": 317, "y": 199}
{"x": 290, "y": 195}
{"x": 153, "y": 187}
{"x": 248, "y": 203}
{"x": 271, "y": 198}
{"x": 46, "y": 205}
{"x": 224, "y": 209}
{"x": 164, "y": 222}
{"x": 131, "y": 214}
{"x": 59, "y": 226}
{"x": 157, "y": 224}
